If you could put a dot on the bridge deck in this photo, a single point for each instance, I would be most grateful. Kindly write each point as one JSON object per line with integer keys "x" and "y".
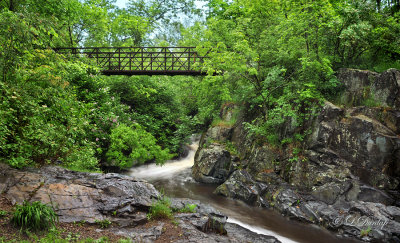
{"x": 142, "y": 60}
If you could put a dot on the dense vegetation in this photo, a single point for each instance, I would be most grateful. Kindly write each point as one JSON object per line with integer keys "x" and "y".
{"x": 278, "y": 58}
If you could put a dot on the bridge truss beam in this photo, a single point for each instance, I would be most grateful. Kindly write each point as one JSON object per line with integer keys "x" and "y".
{"x": 142, "y": 60}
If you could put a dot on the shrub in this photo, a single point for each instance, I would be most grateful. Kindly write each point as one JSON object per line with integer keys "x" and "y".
{"x": 160, "y": 209}
{"x": 189, "y": 208}
{"x": 133, "y": 144}
{"x": 34, "y": 216}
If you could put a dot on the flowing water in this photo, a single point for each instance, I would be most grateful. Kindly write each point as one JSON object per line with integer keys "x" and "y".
{"x": 174, "y": 177}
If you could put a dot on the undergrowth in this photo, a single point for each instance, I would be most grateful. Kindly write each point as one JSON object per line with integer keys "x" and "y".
{"x": 34, "y": 216}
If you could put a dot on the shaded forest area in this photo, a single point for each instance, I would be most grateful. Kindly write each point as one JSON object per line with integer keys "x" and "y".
{"x": 278, "y": 58}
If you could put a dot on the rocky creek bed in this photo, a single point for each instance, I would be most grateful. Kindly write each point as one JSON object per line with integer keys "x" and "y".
{"x": 123, "y": 200}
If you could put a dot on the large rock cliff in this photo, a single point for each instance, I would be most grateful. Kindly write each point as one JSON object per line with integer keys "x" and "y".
{"x": 346, "y": 176}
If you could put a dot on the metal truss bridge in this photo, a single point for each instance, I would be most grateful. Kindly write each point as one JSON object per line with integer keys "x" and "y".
{"x": 141, "y": 60}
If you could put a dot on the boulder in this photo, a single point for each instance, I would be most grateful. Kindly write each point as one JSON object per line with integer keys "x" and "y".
{"x": 212, "y": 164}
{"x": 330, "y": 192}
{"x": 359, "y": 139}
{"x": 241, "y": 186}
{"x": 80, "y": 196}
{"x": 359, "y": 85}
{"x": 262, "y": 159}
{"x": 371, "y": 194}
{"x": 356, "y": 84}
{"x": 215, "y": 134}
{"x": 386, "y": 88}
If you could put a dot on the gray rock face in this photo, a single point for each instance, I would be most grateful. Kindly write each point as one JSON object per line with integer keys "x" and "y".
{"x": 80, "y": 196}
{"x": 387, "y": 88}
{"x": 349, "y": 171}
{"x": 241, "y": 186}
{"x": 360, "y": 85}
{"x": 212, "y": 164}
{"x": 361, "y": 140}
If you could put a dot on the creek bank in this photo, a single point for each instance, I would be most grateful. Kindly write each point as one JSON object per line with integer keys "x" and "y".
{"x": 120, "y": 199}
{"x": 346, "y": 175}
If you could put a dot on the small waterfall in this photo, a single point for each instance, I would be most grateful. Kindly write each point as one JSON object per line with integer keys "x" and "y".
{"x": 169, "y": 170}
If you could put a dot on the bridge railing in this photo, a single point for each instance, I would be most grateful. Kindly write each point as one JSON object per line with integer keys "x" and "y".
{"x": 142, "y": 60}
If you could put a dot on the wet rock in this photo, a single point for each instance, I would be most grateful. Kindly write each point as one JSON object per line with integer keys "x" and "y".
{"x": 389, "y": 117}
{"x": 349, "y": 166}
{"x": 262, "y": 160}
{"x": 268, "y": 177}
{"x": 331, "y": 112}
{"x": 210, "y": 224}
{"x": 234, "y": 233}
{"x": 141, "y": 234}
{"x": 394, "y": 213}
{"x": 211, "y": 164}
{"x": 370, "y": 194}
{"x": 244, "y": 235}
{"x": 201, "y": 208}
{"x": 241, "y": 186}
{"x": 330, "y": 192}
{"x": 123, "y": 200}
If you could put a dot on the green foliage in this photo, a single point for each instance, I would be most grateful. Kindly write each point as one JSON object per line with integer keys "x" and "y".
{"x": 133, "y": 145}
{"x": 3, "y": 213}
{"x": 365, "y": 232}
{"x": 160, "y": 209}
{"x": 42, "y": 121}
{"x": 275, "y": 58}
{"x": 189, "y": 208}
{"x": 53, "y": 109}
{"x": 105, "y": 223}
{"x": 33, "y": 216}
{"x": 279, "y": 57}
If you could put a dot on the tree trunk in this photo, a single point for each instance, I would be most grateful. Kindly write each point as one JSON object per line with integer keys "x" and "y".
{"x": 70, "y": 36}
{"x": 11, "y": 6}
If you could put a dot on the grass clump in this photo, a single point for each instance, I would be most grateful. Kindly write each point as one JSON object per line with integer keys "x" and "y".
{"x": 34, "y": 216}
{"x": 161, "y": 209}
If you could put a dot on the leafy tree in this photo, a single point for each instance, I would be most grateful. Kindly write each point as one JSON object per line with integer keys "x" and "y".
{"x": 133, "y": 145}
{"x": 163, "y": 16}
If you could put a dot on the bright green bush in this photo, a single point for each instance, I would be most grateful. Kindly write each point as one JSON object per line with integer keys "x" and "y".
{"x": 132, "y": 145}
{"x": 34, "y": 216}
{"x": 42, "y": 121}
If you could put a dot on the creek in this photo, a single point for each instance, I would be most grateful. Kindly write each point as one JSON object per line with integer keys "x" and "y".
{"x": 174, "y": 178}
